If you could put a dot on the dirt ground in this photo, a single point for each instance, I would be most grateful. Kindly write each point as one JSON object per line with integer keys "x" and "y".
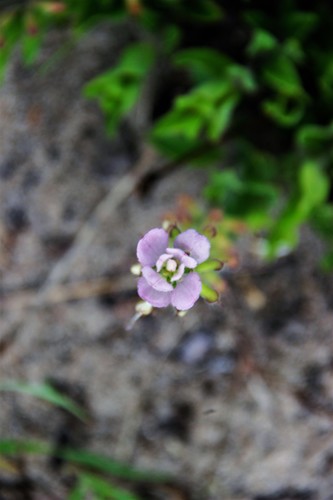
{"x": 235, "y": 400}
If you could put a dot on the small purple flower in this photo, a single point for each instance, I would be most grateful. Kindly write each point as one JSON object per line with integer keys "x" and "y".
{"x": 168, "y": 275}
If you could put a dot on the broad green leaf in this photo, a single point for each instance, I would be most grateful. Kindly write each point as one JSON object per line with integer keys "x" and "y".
{"x": 174, "y": 147}
{"x": 221, "y": 183}
{"x": 301, "y": 23}
{"x": 261, "y": 42}
{"x": 281, "y": 74}
{"x": 315, "y": 137}
{"x": 203, "y": 63}
{"x": 118, "y": 89}
{"x": 241, "y": 77}
{"x": 251, "y": 200}
{"x": 221, "y": 119}
{"x": 283, "y": 111}
{"x": 293, "y": 50}
{"x": 314, "y": 185}
{"x": 214, "y": 90}
{"x": 205, "y": 11}
{"x": 137, "y": 58}
{"x": 184, "y": 123}
{"x": 47, "y": 393}
{"x": 326, "y": 77}
{"x": 171, "y": 37}
{"x": 204, "y": 112}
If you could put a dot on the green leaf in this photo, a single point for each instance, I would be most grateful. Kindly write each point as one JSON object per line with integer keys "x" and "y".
{"x": 118, "y": 89}
{"x": 239, "y": 195}
{"x": 261, "y": 42}
{"x": 78, "y": 492}
{"x": 100, "y": 463}
{"x": 280, "y": 74}
{"x": 137, "y": 59}
{"x": 104, "y": 489}
{"x": 221, "y": 119}
{"x": 315, "y": 137}
{"x": 301, "y": 23}
{"x": 113, "y": 467}
{"x": 185, "y": 123}
{"x": 293, "y": 49}
{"x": 205, "y": 11}
{"x": 312, "y": 191}
{"x": 171, "y": 37}
{"x": 13, "y": 447}
{"x": 285, "y": 112}
{"x": 174, "y": 147}
{"x": 322, "y": 220}
{"x": 327, "y": 261}
{"x": 221, "y": 185}
{"x": 12, "y": 28}
{"x": 203, "y": 63}
{"x": 326, "y": 77}
{"x": 31, "y": 45}
{"x": 47, "y": 393}
{"x": 205, "y": 112}
{"x": 241, "y": 78}
{"x": 314, "y": 185}
{"x": 207, "y": 65}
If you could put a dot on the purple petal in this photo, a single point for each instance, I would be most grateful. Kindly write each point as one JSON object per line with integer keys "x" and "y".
{"x": 151, "y": 246}
{"x": 194, "y": 243}
{"x": 175, "y": 252}
{"x": 155, "y": 298}
{"x": 186, "y": 292}
{"x": 179, "y": 273}
{"x": 189, "y": 262}
{"x": 155, "y": 280}
{"x": 161, "y": 260}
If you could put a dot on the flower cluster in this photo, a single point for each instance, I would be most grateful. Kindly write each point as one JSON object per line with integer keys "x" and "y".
{"x": 168, "y": 273}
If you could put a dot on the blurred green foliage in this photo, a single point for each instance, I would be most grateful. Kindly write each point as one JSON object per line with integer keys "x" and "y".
{"x": 118, "y": 89}
{"x": 94, "y": 475}
{"x": 47, "y": 393}
{"x": 247, "y": 87}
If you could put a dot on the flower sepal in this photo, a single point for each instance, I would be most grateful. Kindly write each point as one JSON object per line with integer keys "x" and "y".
{"x": 210, "y": 265}
{"x": 209, "y": 294}
{"x": 136, "y": 269}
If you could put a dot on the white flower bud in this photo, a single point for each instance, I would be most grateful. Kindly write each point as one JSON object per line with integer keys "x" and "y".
{"x": 136, "y": 269}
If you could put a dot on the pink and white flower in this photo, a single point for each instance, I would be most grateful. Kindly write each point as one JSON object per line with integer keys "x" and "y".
{"x": 168, "y": 275}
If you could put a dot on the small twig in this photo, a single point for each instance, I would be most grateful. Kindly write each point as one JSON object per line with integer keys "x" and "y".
{"x": 146, "y": 182}
{"x": 101, "y": 213}
{"x": 79, "y": 290}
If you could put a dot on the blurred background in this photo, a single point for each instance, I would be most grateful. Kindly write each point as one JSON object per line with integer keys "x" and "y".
{"x": 116, "y": 115}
